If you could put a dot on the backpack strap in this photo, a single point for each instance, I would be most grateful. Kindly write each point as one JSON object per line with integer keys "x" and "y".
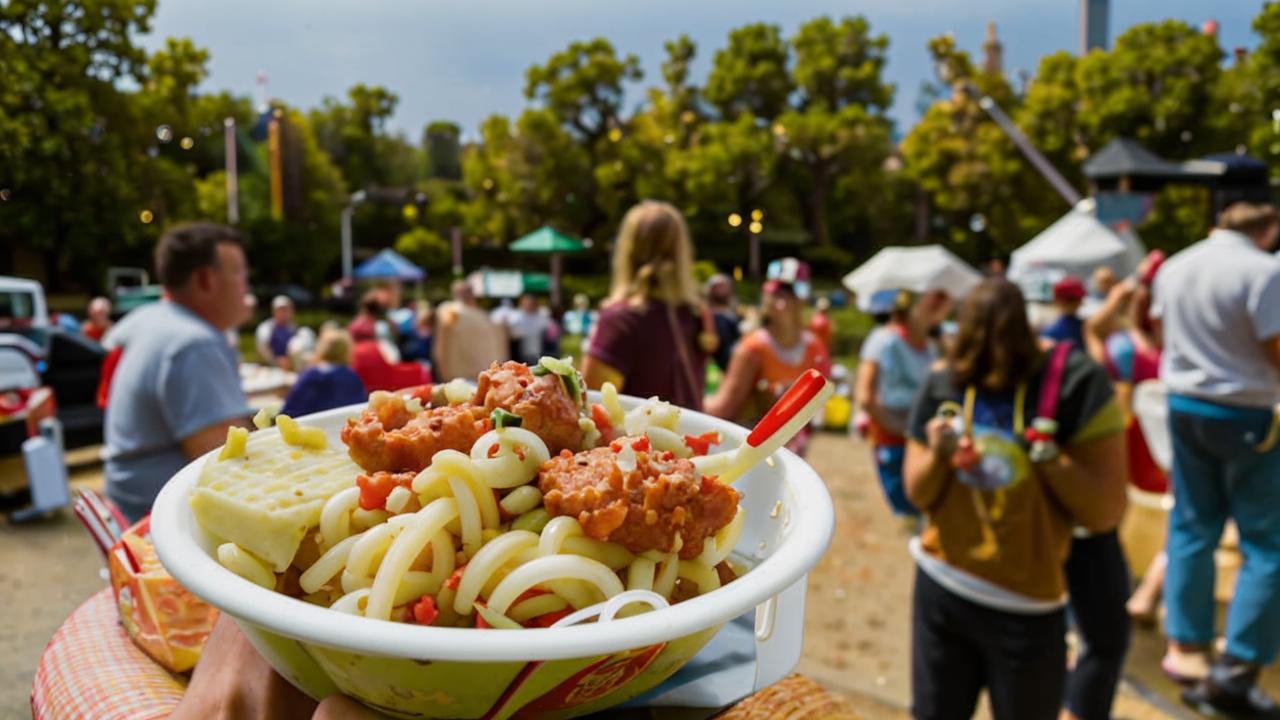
{"x": 1051, "y": 381}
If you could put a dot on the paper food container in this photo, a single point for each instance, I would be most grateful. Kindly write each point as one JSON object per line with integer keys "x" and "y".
{"x": 412, "y": 671}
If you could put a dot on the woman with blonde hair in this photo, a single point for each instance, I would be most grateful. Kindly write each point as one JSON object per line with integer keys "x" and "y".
{"x": 650, "y": 338}
{"x": 331, "y": 382}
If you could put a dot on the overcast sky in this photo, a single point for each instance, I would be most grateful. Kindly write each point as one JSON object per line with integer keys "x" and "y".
{"x": 465, "y": 60}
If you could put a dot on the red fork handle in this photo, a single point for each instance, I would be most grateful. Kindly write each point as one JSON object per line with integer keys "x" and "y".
{"x": 801, "y": 392}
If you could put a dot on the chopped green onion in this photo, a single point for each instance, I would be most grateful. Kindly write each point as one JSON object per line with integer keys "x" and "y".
{"x": 503, "y": 419}
{"x": 533, "y": 521}
{"x": 573, "y": 383}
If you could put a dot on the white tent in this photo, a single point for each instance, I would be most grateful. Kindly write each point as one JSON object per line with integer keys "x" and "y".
{"x": 918, "y": 269}
{"x": 1076, "y": 244}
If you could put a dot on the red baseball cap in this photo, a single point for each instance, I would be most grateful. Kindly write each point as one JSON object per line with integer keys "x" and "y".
{"x": 1068, "y": 289}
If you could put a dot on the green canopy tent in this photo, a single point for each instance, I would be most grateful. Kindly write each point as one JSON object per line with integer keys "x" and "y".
{"x": 546, "y": 240}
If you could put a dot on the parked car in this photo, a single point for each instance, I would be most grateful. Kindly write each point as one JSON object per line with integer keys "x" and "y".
{"x": 25, "y": 401}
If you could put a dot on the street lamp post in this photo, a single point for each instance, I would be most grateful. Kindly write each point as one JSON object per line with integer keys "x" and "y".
{"x": 357, "y": 198}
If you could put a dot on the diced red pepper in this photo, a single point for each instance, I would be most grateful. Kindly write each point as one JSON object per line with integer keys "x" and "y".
{"x": 640, "y": 444}
{"x": 668, "y": 456}
{"x": 493, "y": 450}
{"x": 481, "y": 624}
{"x": 455, "y": 579}
{"x": 421, "y": 392}
{"x": 551, "y": 618}
{"x": 425, "y": 611}
{"x": 519, "y": 451}
{"x": 374, "y": 490}
{"x": 616, "y": 446}
{"x": 701, "y": 444}
{"x": 600, "y": 417}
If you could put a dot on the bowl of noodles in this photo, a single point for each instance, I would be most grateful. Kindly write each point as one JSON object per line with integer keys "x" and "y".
{"x": 522, "y": 548}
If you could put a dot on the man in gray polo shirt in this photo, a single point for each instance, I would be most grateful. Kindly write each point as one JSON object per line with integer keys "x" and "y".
{"x": 1219, "y": 304}
{"x": 177, "y": 387}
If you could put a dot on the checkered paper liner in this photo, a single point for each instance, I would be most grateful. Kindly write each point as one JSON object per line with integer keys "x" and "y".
{"x": 92, "y": 670}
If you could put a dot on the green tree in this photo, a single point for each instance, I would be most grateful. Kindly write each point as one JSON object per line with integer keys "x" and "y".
{"x": 426, "y": 248}
{"x": 355, "y": 134}
{"x": 967, "y": 166}
{"x": 839, "y": 126}
{"x": 69, "y": 137}
{"x": 750, "y": 75}
{"x": 442, "y": 147}
{"x": 1153, "y": 85}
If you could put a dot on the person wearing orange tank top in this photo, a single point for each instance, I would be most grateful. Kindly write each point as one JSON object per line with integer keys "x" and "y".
{"x": 768, "y": 360}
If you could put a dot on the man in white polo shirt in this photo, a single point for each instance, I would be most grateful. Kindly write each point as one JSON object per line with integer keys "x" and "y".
{"x": 1219, "y": 304}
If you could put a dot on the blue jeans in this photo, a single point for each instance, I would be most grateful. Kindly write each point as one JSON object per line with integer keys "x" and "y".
{"x": 1219, "y": 474}
{"x": 889, "y": 467}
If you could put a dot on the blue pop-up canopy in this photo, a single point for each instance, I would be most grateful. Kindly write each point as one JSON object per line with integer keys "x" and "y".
{"x": 389, "y": 264}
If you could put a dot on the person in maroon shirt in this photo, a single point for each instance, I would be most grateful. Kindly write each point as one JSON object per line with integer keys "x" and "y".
{"x": 652, "y": 337}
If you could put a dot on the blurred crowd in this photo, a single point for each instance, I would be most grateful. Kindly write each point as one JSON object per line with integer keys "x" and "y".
{"x": 1003, "y": 433}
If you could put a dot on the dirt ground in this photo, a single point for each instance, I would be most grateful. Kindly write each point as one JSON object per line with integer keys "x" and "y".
{"x": 857, "y": 626}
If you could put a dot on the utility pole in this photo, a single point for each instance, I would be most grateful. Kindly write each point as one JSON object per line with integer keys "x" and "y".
{"x": 233, "y": 179}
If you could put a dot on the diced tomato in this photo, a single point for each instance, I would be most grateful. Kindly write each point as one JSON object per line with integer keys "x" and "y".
{"x": 668, "y": 456}
{"x": 455, "y": 579}
{"x": 421, "y": 392}
{"x": 551, "y": 618}
{"x": 519, "y": 451}
{"x": 374, "y": 490}
{"x": 425, "y": 611}
{"x": 616, "y": 446}
{"x": 701, "y": 444}
{"x": 600, "y": 417}
{"x": 640, "y": 444}
{"x": 493, "y": 450}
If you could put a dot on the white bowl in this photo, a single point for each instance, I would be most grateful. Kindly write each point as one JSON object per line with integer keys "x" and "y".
{"x": 789, "y": 523}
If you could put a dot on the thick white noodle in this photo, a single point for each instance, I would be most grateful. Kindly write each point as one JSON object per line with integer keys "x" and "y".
{"x": 718, "y": 546}
{"x": 611, "y": 554}
{"x": 328, "y": 565}
{"x": 452, "y": 464}
{"x": 351, "y": 602}
{"x": 335, "y": 517}
{"x": 415, "y": 584}
{"x": 554, "y": 534}
{"x": 372, "y": 543}
{"x": 553, "y": 567}
{"x": 663, "y": 439}
{"x": 651, "y": 413}
{"x": 468, "y": 514}
{"x": 239, "y": 561}
{"x": 407, "y": 546}
{"x": 536, "y": 606}
{"x": 505, "y": 469}
{"x": 398, "y": 499}
{"x": 706, "y": 578}
{"x": 487, "y": 562}
{"x": 351, "y": 582}
{"x": 665, "y": 583}
{"x": 578, "y": 593}
{"x": 640, "y": 574}
{"x": 612, "y": 405}
{"x": 365, "y": 519}
{"x": 444, "y": 556}
{"x": 521, "y": 500}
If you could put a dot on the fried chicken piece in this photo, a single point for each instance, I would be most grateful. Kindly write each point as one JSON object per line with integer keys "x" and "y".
{"x": 542, "y": 402}
{"x": 640, "y": 499}
{"x": 388, "y": 436}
